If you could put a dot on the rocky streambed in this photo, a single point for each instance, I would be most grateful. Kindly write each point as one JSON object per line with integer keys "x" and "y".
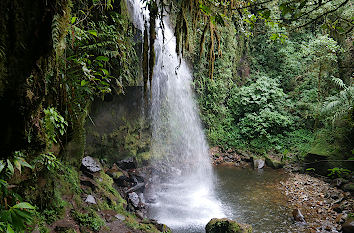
{"x": 291, "y": 201}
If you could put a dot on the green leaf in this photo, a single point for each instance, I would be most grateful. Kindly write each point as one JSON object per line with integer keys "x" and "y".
{"x": 23, "y": 205}
{"x": 10, "y": 167}
{"x": 23, "y": 214}
{"x": 105, "y": 71}
{"x": 83, "y": 82}
{"x": 25, "y": 164}
{"x": 102, "y": 58}
{"x": 3, "y": 183}
{"x": 17, "y": 164}
{"x": 2, "y": 165}
{"x": 73, "y": 20}
{"x": 9, "y": 229}
{"x": 92, "y": 32}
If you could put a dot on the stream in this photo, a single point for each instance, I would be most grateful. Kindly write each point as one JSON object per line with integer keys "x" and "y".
{"x": 253, "y": 197}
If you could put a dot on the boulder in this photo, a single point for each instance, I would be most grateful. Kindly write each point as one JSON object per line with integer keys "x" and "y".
{"x": 317, "y": 162}
{"x": 89, "y": 164}
{"x": 129, "y": 163}
{"x": 161, "y": 227}
{"x": 120, "y": 217}
{"x": 348, "y": 226}
{"x": 273, "y": 163}
{"x": 86, "y": 181}
{"x": 122, "y": 181}
{"x": 349, "y": 187}
{"x": 134, "y": 199}
{"x": 90, "y": 199}
{"x": 258, "y": 163}
{"x": 66, "y": 225}
{"x": 298, "y": 217}
{"x": 224, "y": 225}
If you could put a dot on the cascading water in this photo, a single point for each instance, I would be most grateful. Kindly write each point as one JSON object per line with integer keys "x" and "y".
{"x": 184, "y": 181}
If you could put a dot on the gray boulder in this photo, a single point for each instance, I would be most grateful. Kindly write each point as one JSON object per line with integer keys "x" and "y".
{"x": 89, "y": 164}
{"x": 90, "y": 199}
{"x": 258, "y": 163}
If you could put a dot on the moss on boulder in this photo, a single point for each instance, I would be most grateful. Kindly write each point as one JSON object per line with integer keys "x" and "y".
{"x": 273, "y": 163}
{"x": 224, "y": 225}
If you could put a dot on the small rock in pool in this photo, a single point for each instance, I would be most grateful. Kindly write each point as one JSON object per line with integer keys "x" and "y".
{"x": 298, "y": 216}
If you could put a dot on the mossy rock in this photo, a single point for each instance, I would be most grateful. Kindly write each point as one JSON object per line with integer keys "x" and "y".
{"x": 224, "y": 225}
{"x": 273, "y": 163}
{"x": 349, "y": 187}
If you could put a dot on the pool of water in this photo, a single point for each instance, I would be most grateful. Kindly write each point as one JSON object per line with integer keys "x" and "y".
{"x": 244, "y": 195}
{"x": 253, "y": 197}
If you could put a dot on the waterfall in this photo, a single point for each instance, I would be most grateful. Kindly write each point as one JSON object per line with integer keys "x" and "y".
{"x": 184, "y": 181}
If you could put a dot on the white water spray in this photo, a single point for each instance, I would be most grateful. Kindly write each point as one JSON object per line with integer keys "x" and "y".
{"x": 185, "y": 181}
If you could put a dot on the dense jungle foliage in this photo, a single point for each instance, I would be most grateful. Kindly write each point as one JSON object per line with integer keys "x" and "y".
{"x": 274, "y": 75}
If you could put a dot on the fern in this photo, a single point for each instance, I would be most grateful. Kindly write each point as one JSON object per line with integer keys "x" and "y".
{"x": 341, "y": 104}
{"x": 56, "y": 31}
{"x": 339, "y": 82}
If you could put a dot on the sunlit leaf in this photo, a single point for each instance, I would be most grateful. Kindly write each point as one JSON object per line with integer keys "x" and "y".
{"x": 92, "y": 32}
{"x": 23, "y": 205}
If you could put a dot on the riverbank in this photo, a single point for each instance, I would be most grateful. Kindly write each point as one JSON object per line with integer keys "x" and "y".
{"x": 315, "y": 204}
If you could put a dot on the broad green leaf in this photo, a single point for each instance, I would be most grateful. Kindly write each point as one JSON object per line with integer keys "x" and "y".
{"x": 3, "y": 183}
{"x": 102, "y": 58}
{"x": 83, "y": 82}
{"x": 23, "y": 205}
{"x": 92, "y": 32}
{"x": 23, "y": 213}
{"x": 9, "y": 229}
{"x": 105, "y": 71}
{"x": 10, "y": 167}
{"x": 25, "y": 164}
{"x": 73, "y": 20}
{"x": 2, "y": 165}
{"x": 17, "y": 164}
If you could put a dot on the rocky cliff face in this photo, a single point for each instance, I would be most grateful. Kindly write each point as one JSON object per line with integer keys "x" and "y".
{"x": 26, "y": 55}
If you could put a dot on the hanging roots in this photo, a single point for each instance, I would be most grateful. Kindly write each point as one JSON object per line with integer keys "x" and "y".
{"x": 153, "y": 14}
{"x": 145, "y": 58}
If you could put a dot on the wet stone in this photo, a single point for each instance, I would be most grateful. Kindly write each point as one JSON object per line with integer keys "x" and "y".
{"x": 90, "y": 199}
{"x": 134, "y": 199}
{"x": 90, "y": 164}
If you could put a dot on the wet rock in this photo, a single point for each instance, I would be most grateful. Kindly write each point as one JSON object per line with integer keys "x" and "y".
{"x": 161, "y": 227}
{"x": 338, "y": 182}
{"x": 258, "y": 163}
{"x": 318, "y": 162}
{"x": 273, "y": 163}
{"x": 349, "y": 187}
{"x": 338, "y": 207}
{"x": 140, "y": 214}
{"x": 90, "y": 199}
{"x": 139, "y": 187}
{"x": 339, "y": 218}
{"x": 86, "y": 181}
{"x": 134, "y": 199}
{"x": 109, "y": 215}
{"x": 119, "y": 217}
{"x": 129, "y": 163}
{"x": 244, "y": 155}
{"x": 122, "y": 181}
{"x": 348, "y": 226}
{"x": 224, "y": 225}
{"x": 66, "y": 225}
{"x": 89, "y": 164}
{"x": 298, "y": 217}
